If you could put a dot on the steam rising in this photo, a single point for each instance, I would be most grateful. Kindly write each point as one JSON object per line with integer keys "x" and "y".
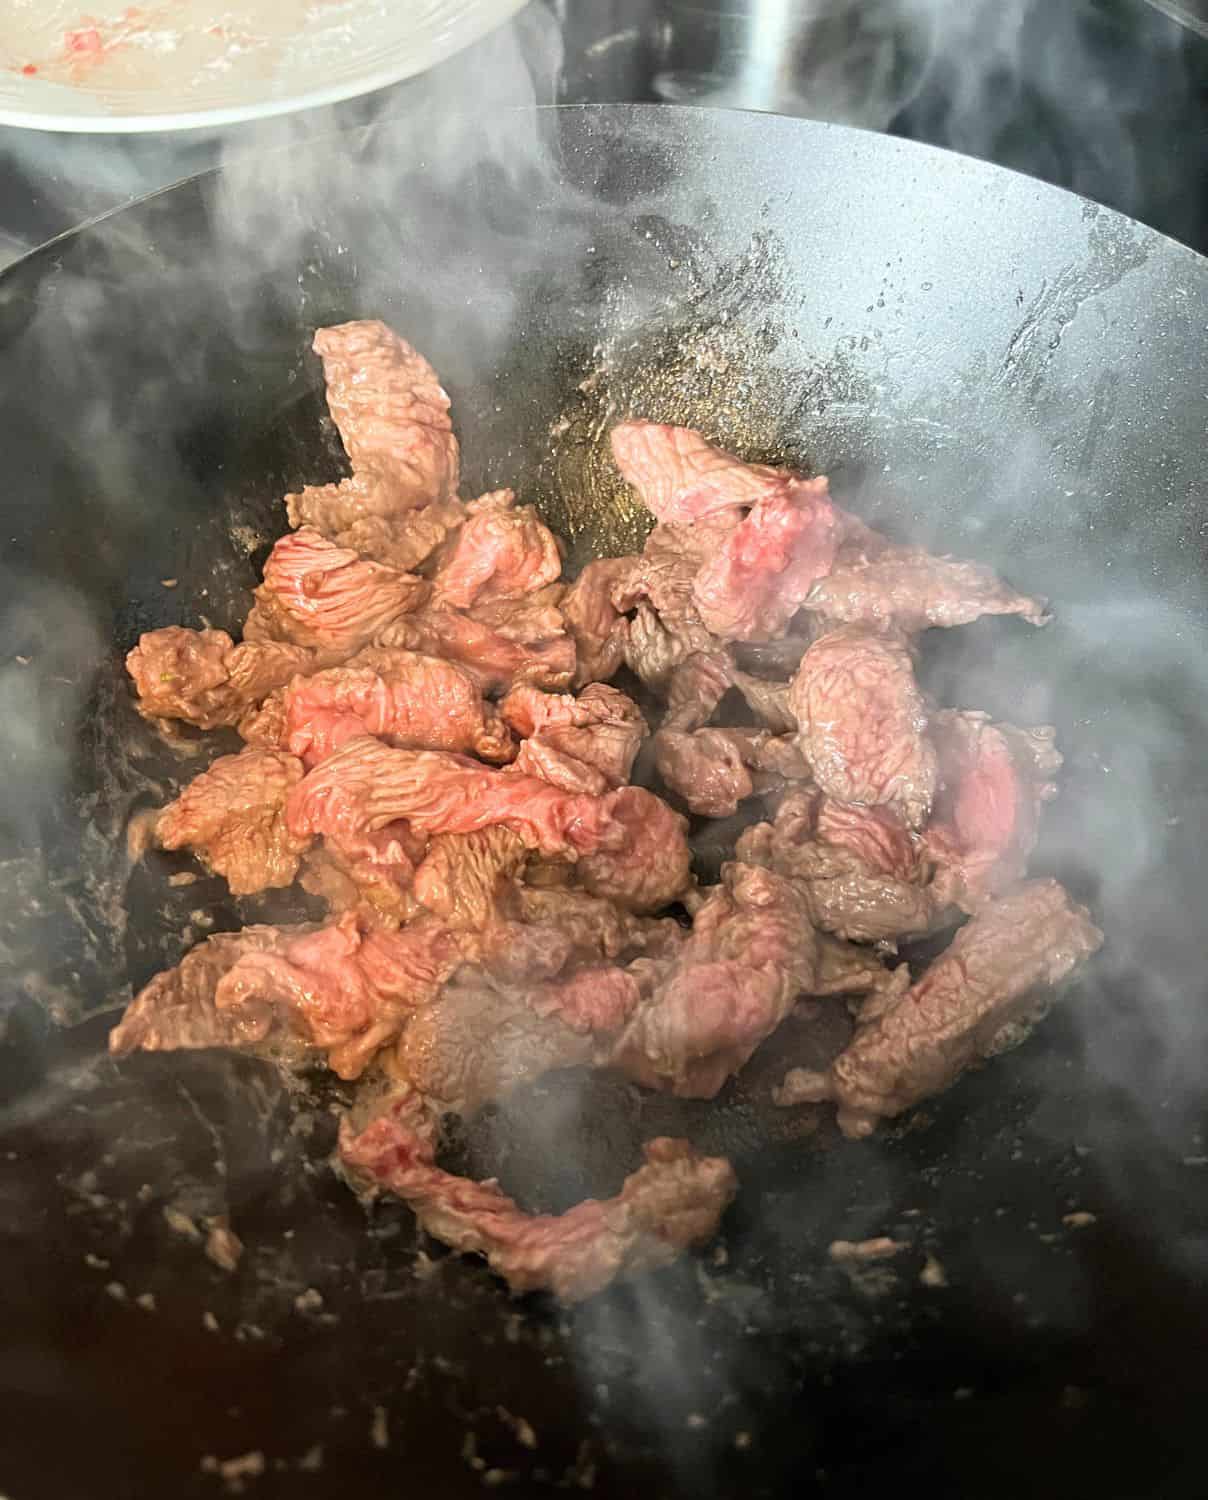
{"x": 1130, "y": 703}
{"x": 1096, "y": 97}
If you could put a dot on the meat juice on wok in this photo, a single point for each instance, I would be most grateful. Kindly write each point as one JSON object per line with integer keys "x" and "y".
{"x": 435, "y": 748}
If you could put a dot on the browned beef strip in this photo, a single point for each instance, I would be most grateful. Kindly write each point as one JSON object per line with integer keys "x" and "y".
{"x": 518, "y": 641}
{"x": 594, "y": 927}
{"x": 751, "y": 952}
{"x": 910, "y": 1046}
{"x": 536, "y": 616}
{"x": 481, "y": 1040}
{"x": 695, "y": 690}
{"x": 369, "y": 873}
{"x": 367, "y": 515}
{"x": 337, "y": 988}
{"x": 851, "y": 969}
{"x": 652, "y": 651}
{"x": 713, "y": 770}
{"x": 860, "y": 870}
{"x": 327, "y": 597}
{"x": 666, "y": 629}
{"x": 600, "y": 630}
{"x": 233, "y": 818}
{"x": 204, "y": 678}
{"x": 586, "y": 743}
{"x": 908, "y": 588}
{"x": 465, "y": 878}
{"x": 863, "y": 724}
{"x": 176, "y": 1009}
{"x": 391, "y": 411}
{"x": 263, "y": 726}
{"x": 373, "y": 883}
{"x": 675, "y": 1200}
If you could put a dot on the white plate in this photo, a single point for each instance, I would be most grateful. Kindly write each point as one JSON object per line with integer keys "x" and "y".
{"x": 105, "y": 65}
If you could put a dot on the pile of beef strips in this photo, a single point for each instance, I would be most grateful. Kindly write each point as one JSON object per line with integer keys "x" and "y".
{"x": 434, "y": 747}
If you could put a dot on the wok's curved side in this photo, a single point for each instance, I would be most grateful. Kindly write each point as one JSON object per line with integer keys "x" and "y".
{"x": 982, "y": 363}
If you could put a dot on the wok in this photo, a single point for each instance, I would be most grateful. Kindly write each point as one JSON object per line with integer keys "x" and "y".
{"x": 982, "y": 364}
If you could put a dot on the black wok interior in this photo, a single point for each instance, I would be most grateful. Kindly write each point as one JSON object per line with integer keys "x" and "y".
{"x": 982, "y": 364}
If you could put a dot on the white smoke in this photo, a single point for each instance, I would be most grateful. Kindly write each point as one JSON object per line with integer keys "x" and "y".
{"x": 1101, "y": 99}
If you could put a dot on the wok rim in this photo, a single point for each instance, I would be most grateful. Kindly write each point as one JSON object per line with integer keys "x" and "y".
{"x": 922, "y": 150}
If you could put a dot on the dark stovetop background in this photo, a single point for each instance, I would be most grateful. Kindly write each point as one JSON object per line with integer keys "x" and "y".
{"x": 1108, "y": 97}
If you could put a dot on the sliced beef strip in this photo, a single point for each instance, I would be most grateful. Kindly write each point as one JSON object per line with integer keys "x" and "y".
{"x": 531, "y": 646}
{"x": 594, "y": 927}
{"x": 853, "y": 970}
{"x": 366, "y": 785}
{"x": 666, "y": 629}
{"x": 391, "y": 411}
{"x": 628, "y": 844}
{"x": 263, "y": 726}
{"x": 751, "y": 953}
{"x": 346, "y": 990}
{"x": 691, "y": 545}
{"x": 595, "y": 1000}
{"x": 542, "y": 758}
{"x": 464, "y": 877}
{"x": 480, "y": 1041}
{"x": 654, "y": 587}
{"x": 911, "y": 1046}
{"x": 232, "y": 817}
{"x": 535, "y": 943}
{"x": 695, "y": 690}
{"x": 757, "y": 579}
{"x": 683, "y": 478}
{"x": 600, "y": 630}
{"x": 587, "y": 743}
{"x": 860, "y": 870}
{"x": 538, "y": 994}
{"x": 368, "y": 515}
{"x": 862, "y": 722}
{"x": 529, "y": 711}
{"x": 369, "y": 873}
{"x": 910, "y": 589}
{"x": 377, "y": 890}
{"x": 859, "y": 544}
{"x": 204, "y": 678}
{"x": 768, "y": 701}
{"x": 652, "y": 651}
{"x": 413, "y": 701}
{"x": 995, "y": 780}
{"x": 713, "y": 770}
{"x": 502, "y": 552}
{"x": 338, "y": 988}
{"x": 644, "y": 863}
{"x": 327, "y": 597}
{"x": 530, "y": 617}
{"x": 705, "y": 768}
{"x": 672, "y": 1202}
{"x": 176, "y": 1010}
{"x": 663, "y": 573}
